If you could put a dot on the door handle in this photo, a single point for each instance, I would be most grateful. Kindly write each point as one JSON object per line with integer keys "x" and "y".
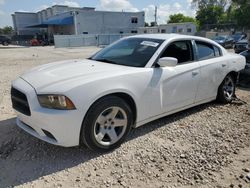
{"x": 223, "y": 65}
{"x": 194, "y": 73}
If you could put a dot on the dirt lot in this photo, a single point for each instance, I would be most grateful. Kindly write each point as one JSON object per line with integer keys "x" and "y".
{"x": 206, "y": 146}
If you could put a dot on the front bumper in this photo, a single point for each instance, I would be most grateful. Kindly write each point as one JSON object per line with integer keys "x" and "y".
{"x": 58, "y": 127}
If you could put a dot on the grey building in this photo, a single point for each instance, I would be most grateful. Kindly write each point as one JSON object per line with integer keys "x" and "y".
{"x": 66, "y": 20}
{"x": 187, "y": 28}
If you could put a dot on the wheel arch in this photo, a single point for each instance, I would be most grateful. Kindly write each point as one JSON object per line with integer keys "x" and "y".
{"x": 124, "y": 96}
{"x": 234, "y": 74}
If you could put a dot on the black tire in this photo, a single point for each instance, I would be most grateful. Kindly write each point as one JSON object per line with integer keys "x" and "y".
{"x": 5, "y": 43}
{"x": 89, "y": 125}
{"x": 222, "y": 95}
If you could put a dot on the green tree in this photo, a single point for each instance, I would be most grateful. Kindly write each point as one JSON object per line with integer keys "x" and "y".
{"x": 212, "y": 14}
{"x": 180, "y": 18}
{"x": 205, "y": 3}
{"x": 7, "y": 30}
{"x": 241, "y": 12}
{"x": 223, "y": 11}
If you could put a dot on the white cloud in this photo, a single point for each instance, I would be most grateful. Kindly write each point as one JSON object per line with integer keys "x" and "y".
{"x": 1, "y": 13}
{"x": 22, "y": 10}
{"x": 43, "y": 7}
{"x": 67, "y": 3}
{"x": 177, "y": 5}
{"x": 5, "y": 18}
{"x": 70, "y": 4}
{"x": 117, "y": 5}
{"x": 2, "y": 2}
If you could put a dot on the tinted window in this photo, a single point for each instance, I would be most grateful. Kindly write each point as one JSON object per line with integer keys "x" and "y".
{"x": 205, "y": 50}
{"x": 181, "y": 50}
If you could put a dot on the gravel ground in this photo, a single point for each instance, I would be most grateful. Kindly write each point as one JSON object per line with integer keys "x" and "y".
{"x": 205, "y": 146}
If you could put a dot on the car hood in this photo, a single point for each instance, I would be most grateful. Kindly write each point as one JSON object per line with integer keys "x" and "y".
{"x": 219, "y": 41}
{"x": 65, "y": 71}
{"x": 242, "y": 41}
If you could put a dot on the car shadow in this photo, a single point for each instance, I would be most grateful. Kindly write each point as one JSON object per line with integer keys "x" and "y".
{"x": 24, "y": 158}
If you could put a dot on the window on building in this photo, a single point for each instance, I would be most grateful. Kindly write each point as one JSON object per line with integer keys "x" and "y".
{"x": 181, "y": 50}
{"x": 205, "y": 50}
{"x": 180, "y": 30}
{"x": 134, "y": 20}
{"x": 121, "y": 32}
{"x": 174, "y": 30}
{"x": 189, "y": 30}
{"x": 133, "y": 31}
{"x": 163, "y": 31}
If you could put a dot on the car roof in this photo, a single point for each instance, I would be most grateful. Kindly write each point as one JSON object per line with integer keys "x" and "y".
{"x": 173, "y": 36}
{"x": 163, "y": 36}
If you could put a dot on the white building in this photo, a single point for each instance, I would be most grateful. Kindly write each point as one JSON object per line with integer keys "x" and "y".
{"x": 188, "y": 28}
{"x": 60, "y": 19}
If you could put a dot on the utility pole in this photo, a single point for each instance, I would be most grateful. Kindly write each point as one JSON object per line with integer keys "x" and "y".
{"x": 75, "y": 22}
{"x": 155, "y": 16}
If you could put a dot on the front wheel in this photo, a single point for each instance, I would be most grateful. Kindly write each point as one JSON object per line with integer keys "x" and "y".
{"x": 106, "y": 124}
{"x": 5, "y": 43}
{"x": 226, "y": 90}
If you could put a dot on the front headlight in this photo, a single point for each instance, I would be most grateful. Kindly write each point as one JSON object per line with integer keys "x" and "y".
{"x": 59, "y": 102}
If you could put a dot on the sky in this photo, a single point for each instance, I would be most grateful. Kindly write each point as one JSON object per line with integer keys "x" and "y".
{"x": 165, "y": 8}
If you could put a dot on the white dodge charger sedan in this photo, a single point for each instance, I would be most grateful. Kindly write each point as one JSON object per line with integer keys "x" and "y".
{"x": 133, "y": 81}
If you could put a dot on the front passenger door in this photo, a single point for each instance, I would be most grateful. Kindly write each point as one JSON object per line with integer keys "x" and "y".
{"x": 178, "y": 85}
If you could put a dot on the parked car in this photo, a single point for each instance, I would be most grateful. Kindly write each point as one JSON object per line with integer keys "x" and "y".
{"x": 225, "y": 40}
{"x": 136, "y": 80}
{"x": 245, "y": 73}
{"x": 238, "y": 37}
{"x": 4, "y": 40}
{"x": 240, "y": 46}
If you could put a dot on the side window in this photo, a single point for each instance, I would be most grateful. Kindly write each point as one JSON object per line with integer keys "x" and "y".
{"x": 217, "y": 51}
{"x": 205, "y": 50}
{"x": 181, "y": 50}
{"x": 134, "y": 20}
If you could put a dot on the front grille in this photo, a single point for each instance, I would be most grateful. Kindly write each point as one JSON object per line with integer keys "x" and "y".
{"x": 20, "y": 102}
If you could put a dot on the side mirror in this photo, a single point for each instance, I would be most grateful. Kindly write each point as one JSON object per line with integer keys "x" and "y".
{"x": 167, "y": 62}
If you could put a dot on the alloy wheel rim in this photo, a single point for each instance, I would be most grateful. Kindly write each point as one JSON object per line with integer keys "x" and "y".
{"x": 110, "y": 126}
{"x": 228, "y": 88}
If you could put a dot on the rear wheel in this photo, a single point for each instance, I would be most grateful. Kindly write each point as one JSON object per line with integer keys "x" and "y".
{"x": 226, "y": 90}
{"x": 107, "y": 124}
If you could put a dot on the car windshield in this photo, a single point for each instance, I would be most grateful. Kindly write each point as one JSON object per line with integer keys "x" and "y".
{"x": 135, "y": 52}
{"x": 220, "y": 38}
{"x": 236, "y": 37}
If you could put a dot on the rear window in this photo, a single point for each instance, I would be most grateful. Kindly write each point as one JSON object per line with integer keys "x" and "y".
{"x": 205, "y": 50}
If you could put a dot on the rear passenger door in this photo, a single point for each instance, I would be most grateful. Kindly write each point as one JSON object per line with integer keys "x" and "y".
{"x": 212, "y": 70}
